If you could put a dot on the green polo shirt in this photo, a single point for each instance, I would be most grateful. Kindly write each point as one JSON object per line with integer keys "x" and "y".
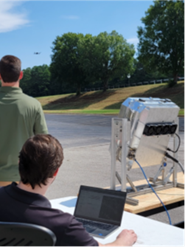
{"x": 21, "y": 116}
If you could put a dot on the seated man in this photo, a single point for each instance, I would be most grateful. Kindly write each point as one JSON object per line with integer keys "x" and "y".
{"x": 39, "y": 161}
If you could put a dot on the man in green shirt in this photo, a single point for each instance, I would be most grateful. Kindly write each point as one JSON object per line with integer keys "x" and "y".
{"x": 21, "y": 117}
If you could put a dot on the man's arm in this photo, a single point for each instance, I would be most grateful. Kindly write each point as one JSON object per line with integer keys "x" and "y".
{"x": 125, "y": 238}
{"x": 40, "y": 126}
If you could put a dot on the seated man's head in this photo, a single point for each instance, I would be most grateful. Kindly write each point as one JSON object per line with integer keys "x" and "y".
{"x": 10, "y": 69}
{"x": 39, "y": 160}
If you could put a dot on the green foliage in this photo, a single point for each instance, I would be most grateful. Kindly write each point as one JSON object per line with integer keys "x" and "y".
{"x": 161, "y": 40}
{"x": 65, "y": 67}
{"x": 79, "y": 60}
{"x": 26, "y": 80}
{"x": 141, "y": 73}
{"x": 36, "y": 81}
{"x": 106, "y": 56}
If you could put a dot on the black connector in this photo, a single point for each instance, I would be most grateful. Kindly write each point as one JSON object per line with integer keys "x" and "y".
{"x": 152, "y": 129}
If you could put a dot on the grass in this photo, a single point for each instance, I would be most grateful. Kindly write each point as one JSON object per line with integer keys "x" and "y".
{"x": 109, "y": 102}
{"x": 102, "y": 112}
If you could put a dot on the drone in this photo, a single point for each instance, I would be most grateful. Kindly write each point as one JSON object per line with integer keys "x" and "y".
{"x": 37, "y": 53}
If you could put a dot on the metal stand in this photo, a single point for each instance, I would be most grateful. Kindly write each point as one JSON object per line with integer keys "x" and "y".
{"x": 121, "y": 135}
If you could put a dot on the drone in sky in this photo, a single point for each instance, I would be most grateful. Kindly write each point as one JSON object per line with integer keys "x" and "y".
{"x": 37, "y": 53}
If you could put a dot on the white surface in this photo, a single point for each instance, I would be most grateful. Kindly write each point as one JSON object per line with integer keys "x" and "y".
{"x": 149, "y": 232}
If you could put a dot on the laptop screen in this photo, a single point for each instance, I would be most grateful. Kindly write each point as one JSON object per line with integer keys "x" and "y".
{"x": 100, "y": 205}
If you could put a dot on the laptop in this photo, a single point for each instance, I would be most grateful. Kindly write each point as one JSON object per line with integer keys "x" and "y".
{"x": 99, "y": 210}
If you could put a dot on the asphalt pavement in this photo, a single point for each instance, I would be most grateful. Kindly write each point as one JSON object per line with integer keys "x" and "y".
{"x": 86, "y": 140}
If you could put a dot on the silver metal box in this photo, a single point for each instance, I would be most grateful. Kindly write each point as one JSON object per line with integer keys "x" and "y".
{"x": 149, "y": 149}
{"x": 142, "y": 133}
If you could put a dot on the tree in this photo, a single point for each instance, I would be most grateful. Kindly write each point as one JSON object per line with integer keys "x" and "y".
{"x": 140, "y": 74}
{"x": 25, "y": 82}
{"x": 36, "y": 81}
{"x": 161, "y": 40}
{"x": 40, "y": 80}
{"x": 65, "y": 66}
{"x": 106, "y": 56}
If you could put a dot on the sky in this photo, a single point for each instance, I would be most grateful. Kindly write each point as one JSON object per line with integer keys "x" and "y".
{"x": 32, "y": 26}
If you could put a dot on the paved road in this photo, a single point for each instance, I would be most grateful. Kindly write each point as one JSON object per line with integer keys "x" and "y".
{"x": 79, "y": 130}
{"x": 86, "y": 140}
{"x": 82, "y": 130}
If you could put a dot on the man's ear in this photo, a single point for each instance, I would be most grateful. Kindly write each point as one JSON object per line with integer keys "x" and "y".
{"x": 0, "y": 77}
{"x": 21, "y": 75}
{"x": 56, "y": 172}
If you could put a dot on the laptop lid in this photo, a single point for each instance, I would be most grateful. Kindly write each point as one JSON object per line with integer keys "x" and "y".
{"x": 102, "y": 205}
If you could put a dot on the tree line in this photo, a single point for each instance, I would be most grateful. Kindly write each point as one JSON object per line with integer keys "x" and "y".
{"x": 80, "y": 61}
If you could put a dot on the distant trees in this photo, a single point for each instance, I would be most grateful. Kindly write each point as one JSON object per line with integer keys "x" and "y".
{"x": 106, "y": 56}
{"x": 79, "y": 59}
{"x": 161, "y": 40}
{"x": 36, "y": 81}
{"x": 142, "y": 74}
{"x": 85, "y": 61}
{"x": 65, "y": 66}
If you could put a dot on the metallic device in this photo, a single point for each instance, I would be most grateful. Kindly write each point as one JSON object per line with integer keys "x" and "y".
{"x": 142, "y": 132}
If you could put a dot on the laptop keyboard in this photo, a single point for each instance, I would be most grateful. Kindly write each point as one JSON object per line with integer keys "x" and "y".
{"x": 92, "y": 225}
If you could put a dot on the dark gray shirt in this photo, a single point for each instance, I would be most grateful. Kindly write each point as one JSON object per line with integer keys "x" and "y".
{"x": 17, "y": 205}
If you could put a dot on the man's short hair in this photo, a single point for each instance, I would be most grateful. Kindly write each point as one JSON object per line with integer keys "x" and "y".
{"x": 39, "y": 159}
{"x": 10, "y": 68}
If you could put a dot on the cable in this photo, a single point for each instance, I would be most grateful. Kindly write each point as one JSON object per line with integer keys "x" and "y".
{"x": 154, "y": 191}
{"x": 172, "y": 158}
{"x": 178, "y": 145}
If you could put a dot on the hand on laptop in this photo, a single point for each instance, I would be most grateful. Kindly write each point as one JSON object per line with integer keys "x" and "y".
{"x": 125, "y": 238}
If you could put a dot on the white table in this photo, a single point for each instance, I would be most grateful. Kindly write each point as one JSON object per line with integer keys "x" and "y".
{"x": 149, "y": 232}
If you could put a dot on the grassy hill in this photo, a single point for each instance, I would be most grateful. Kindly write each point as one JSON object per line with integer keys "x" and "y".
{"x": 109, "y": 102}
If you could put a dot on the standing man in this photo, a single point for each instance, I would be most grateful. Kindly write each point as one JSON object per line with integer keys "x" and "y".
{"x": 39, "y": 162}
{"x": 21, "y": 117}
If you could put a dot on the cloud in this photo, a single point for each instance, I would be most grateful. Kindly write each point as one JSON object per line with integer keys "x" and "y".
{"x": 70, "y": 17}
{"x": 133, "y": 41}
{"x": 9, "y": 19}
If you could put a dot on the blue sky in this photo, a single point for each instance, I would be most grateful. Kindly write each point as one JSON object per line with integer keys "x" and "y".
{"x": 31, "y": 26}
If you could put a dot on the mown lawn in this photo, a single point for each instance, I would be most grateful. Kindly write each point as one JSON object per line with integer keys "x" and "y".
{"x": 109, "y": 102}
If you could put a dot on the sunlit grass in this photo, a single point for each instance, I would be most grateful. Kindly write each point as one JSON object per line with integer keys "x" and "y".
{"x": 102, "y": 112}
{"x": 109, "y": 102}
{"x": 181, "y": 112}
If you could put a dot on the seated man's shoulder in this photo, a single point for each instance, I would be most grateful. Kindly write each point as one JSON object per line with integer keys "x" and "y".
{"x": 58, "y": 217}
